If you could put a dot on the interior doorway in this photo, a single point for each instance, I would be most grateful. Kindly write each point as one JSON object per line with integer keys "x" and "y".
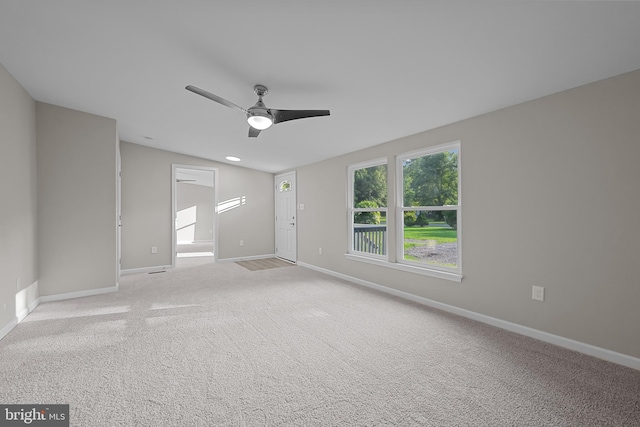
{"x": 194, "y": 215}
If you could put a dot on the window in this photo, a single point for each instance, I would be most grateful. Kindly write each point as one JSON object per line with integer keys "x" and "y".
{"x": 284, "y": 186}
{"x": 368, "y": 208}
{"x": 419, "y": 229}
{"x": 428, "y": 208}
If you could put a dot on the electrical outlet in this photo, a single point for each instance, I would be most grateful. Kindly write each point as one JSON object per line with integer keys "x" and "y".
{"x": 154, "y": 249}
{"x": 537, "y": 293}
{"x": 301, "y": 206}
{"x": 320, "y": 251}
{"x": 241, "y": 242}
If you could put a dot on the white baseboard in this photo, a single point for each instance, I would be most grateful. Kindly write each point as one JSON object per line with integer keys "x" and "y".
{"x": 25, "y": 312}
{"x": 8, "y": 327}
{"x": 78, "y": 294}
{"x": 600, "y": 353}
{"x": 23, "y": 296}
{"x": 49, "y": 298}
{"x": 247, "y": 258}
{"x": 145, "y": 270}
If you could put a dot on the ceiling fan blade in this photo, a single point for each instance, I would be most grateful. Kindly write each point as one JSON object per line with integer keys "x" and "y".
{"x": 253, "y": 132}
{"x": 215, "y": 98}
{"x": 280, "y": 116}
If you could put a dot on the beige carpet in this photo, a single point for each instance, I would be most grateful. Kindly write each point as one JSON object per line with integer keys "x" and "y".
{"x": 264, "y": 264}
{"x": 219, "y": 345}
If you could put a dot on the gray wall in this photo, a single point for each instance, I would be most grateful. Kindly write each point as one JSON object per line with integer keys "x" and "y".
{"x": 146, "y": 207}
{"x": 18, "y": 214}
{"x": 550, "y": 198}
{"x": 76, "y": 155}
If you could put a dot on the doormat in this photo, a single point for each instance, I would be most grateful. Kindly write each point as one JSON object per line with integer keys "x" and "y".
{"x": 264, "y": 264}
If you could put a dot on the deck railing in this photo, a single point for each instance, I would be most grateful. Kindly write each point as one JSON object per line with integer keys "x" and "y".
{"x": 370, "y": 238}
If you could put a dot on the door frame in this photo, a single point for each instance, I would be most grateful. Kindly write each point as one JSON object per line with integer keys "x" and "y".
{"x": 174, "y": 209}
{"x": 118, "y": 213}
{"x": 294, "y": 180}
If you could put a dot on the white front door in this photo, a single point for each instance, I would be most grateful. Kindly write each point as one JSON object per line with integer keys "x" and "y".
{"x": 286, "y": 217}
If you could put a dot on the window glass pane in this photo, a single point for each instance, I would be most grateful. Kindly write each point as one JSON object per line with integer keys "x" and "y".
{"x": 285, "y": 186}
{"x": 370, "y": 232}
{"x": 431, "y": 180}
{"x": 431, "y": 237}
{"x": 370, "y": 187}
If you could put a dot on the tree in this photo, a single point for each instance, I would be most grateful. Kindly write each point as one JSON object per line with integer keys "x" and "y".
{"x": 422, "y": 219}
{"x": 370, "y": 184}
{"x": 431, "y": 180}
{"x": 451, "y": 218}
{"x": 409, "y": 218}
{"x": 367, "y": 217}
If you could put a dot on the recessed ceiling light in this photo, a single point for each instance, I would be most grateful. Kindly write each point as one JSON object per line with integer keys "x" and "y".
{"x": 233, "y": 158}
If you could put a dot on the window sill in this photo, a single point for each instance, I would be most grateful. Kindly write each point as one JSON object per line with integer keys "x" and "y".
{"x": 455, "y": 277}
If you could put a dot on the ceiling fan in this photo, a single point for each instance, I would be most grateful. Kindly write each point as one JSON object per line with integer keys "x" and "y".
{"x": 259, "y": 116}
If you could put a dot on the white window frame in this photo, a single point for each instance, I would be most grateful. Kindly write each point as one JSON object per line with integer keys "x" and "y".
{"x": 351, "y": 210}
{"x": 438, "y": 271}
{"x": 395, "y": 226}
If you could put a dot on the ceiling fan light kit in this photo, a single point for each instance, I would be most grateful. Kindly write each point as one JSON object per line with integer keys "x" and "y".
{"x": 260, "y": 120}
{"x": 259, "y": 116}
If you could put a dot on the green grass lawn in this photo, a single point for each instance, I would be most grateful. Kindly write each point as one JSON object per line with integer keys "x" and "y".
{"x": 439, "y": 234}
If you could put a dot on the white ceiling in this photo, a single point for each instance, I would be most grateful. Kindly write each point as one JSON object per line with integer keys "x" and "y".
{"x": 385, "y": 69}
